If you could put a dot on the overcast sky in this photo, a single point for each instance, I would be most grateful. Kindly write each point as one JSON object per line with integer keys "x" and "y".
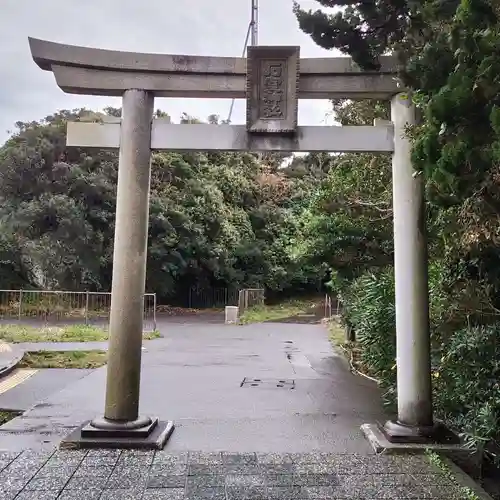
{"x": 215, "y": 27}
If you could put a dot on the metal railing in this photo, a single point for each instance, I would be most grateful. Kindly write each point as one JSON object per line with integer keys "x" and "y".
{"x": 250, "y": 297}
{"x": 333, "y": 307}
{"x": 328, "y": 306}
{"x": 208, "y": 298}
{"x": 50, "y": 307}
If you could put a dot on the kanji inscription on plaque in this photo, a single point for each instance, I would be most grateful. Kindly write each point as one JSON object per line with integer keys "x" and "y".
{"x": 272, "y": 90}
{"x": 272, "y": 81}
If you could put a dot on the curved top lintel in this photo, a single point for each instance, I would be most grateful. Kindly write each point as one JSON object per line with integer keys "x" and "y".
{"x": 46, "y": 54}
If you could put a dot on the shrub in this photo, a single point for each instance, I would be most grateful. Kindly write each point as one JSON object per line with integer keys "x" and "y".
{"x": 466, "y": 385}
{"x": 372, "y": 314}
{"x": 466, "y": 361}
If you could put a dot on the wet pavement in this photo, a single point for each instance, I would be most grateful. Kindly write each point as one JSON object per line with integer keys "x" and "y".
{"x": 194, "y": 376}
{"x": 41, "y": 385}
{"x": 115, "y": 475}
{"x": 262, "y": 412}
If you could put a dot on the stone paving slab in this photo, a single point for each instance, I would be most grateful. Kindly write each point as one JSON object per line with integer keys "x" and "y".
{"x": 122, "y": 475}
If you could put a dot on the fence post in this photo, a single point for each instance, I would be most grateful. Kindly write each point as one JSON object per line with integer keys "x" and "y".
{"x": 144, "y": 312}
{"x": 86, "y": 308}
{"x": 20, "y": 304}
{"x": 108, "y": 305}
{"x": 154, "y": 312}
{"x": 350, "y": 333}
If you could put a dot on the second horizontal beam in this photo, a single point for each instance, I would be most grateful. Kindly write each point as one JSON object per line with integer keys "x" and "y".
{"x": 204, "y": 137}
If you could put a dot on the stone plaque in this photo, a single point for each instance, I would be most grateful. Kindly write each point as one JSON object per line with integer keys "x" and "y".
{"x": 272, "y": 89}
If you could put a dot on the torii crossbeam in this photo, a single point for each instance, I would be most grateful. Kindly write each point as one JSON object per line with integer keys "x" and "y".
{"x": 271, "y": 79}
{"x": 80, "y": 70}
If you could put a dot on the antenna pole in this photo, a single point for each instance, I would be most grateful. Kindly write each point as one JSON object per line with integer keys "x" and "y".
{"x": 255, "y": 23}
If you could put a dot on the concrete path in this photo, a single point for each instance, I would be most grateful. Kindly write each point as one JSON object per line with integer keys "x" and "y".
{"x": 63, "y": 346}
{"x": 39, "y": 386}
{"x": 262, "y": 412}
{"x": 66, "y": 346}
{"x": 165, "y": 323}
{"x": 197, "y": 377}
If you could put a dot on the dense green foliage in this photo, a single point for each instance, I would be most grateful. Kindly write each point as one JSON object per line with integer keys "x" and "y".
{"x": 449, "y": 55}
{"x": 216, "y": 220}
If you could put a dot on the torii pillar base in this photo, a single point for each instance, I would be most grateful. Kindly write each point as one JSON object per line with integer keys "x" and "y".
{"x": 398, "y": 438}
{"x": 148, "y": 434}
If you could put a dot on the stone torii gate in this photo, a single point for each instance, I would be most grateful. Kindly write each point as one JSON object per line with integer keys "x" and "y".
{"x": 272, "y": 79}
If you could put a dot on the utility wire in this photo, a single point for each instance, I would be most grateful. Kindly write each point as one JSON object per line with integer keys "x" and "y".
{"x": 250, "y": 27}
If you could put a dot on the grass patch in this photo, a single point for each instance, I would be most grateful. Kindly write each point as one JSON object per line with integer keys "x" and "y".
{"x": 337, "y": 333}
{"x": 155, "y": 334}
{"x": 351, "y": 350}
{"x": 437, "y": 461}
{"x": 337, "y": 337}
{"x": 64, "y": 359}
{"x": 5, "y": 416}
{"x": 65, "y": 333}
{"x": 289, "y": 309}
{"x": 186, "y": 311}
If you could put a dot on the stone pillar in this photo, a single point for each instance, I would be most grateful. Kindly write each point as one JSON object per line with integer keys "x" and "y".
{"x": 414, "y": 388}
{"x": 129, "y": 258}
{"x": 121, "y": 426}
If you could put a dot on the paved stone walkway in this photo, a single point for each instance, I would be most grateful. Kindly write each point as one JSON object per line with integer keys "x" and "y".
{"x": 110, "y": 475}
